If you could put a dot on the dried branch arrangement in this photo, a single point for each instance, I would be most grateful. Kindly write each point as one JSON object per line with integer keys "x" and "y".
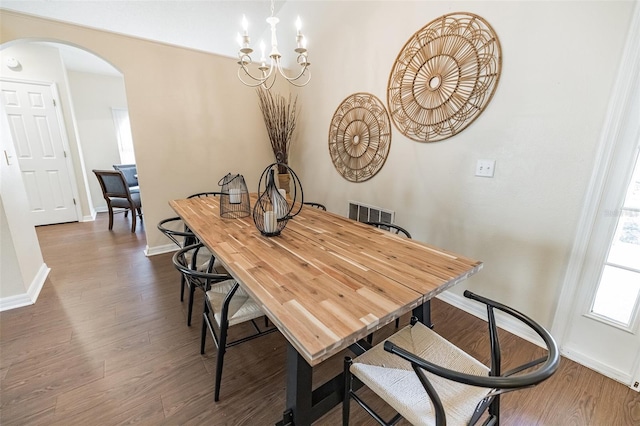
{"x": 279, "y": 115}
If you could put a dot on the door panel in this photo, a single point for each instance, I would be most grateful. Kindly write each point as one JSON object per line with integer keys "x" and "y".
{"x": 33, "y": 195}
{"x": 33, "y": 118}
{"x": 57, "y": 191}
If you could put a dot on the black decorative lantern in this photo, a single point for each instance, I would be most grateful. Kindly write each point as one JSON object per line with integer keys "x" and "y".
{"x": 234, "y": 201}
{"x": 273, "y": 209}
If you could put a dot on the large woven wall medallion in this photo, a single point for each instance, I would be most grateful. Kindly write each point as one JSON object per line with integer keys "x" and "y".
{"x": 359, "y": 137}
{"x": 444, "y": 77}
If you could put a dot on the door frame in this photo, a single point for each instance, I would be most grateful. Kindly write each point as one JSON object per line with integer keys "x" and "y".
{"x": 63, "y": 134}
{"x": 617, "y": 123}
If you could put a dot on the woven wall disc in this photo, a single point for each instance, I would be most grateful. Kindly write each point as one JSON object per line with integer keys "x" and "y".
{"x": 444, "y": 77}
{"x": 359, "y": 137}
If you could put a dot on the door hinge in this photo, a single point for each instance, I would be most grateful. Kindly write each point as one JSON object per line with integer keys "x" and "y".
{"x": 74, "y": 201}
{"x": 65, "y": 154}
{"x": 54, "y": 102}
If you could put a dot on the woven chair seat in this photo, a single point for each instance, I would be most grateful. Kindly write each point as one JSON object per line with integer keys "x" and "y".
{"x": 241, "y": 308}
{"x": 203, "y": 260}
{"x": 394, "y": 380}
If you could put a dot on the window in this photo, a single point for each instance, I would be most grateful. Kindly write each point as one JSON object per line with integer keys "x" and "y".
{"x": 617, "y": 296}
{"x": 123, "y": 133}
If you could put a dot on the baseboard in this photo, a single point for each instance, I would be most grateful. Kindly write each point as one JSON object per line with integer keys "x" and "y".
{"x": 597, "y": 366}
{"x": 30, "y": 297}
{"x": 153, "y": 251}
{"x": 90, "y": 218}
{"x": 504, "y": 321}
{"x": 13, "y": 302}
{"x": 38, "y": 282}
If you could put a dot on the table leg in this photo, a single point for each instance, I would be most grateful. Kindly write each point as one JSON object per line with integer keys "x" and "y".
{"x": 423, "y": 313}
{"x": 299, "y": 390}
{"x": 305, "y": 405}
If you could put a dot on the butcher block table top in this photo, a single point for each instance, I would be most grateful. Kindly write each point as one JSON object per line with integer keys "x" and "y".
{"x": 326, "y": 281}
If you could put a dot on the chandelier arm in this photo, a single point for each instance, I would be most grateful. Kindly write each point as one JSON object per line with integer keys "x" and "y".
{"x": 258, "y": 80}
{"x": 270, "y": 85}
{"x": 266, "y": 83}
{"x": 293, "y": 80}
{"x": 295, "y": 83}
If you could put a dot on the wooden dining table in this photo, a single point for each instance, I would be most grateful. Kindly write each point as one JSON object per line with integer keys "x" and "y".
{"x": 326, "y": 282}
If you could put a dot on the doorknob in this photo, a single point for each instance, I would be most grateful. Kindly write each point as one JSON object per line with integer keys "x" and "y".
{"x": 7, "y": 157}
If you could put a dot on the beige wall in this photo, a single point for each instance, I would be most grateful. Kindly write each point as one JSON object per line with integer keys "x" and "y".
{"x": 190, "y": 125}
{"x": 542, "y": 128}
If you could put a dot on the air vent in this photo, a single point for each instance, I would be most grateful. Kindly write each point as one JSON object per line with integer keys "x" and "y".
{"x": 365, "y": 213}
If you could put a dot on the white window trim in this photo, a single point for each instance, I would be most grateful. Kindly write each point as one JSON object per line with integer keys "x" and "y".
{"x": 613, "y": 138}
{"x": 125, "y": 141}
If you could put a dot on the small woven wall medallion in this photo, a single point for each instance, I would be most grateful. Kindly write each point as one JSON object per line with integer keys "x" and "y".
{"x": 359, "y": 137}
{"x": 444, "y": 77}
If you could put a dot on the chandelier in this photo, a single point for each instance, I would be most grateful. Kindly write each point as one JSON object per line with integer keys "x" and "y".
{"x": 269, "y": 72}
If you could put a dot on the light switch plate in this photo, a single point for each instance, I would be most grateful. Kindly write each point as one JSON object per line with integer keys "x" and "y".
{"x": 485, "y": 168}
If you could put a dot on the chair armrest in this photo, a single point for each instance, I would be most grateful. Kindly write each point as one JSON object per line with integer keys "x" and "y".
{"x": 540, "y": 331}
{"x": 549, "y": 363}
{"x": 192, "y": 273}
{"x": 173, "y": 234}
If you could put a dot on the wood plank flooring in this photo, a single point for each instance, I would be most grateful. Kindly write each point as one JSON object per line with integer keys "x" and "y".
{"x": 107, "y": 344}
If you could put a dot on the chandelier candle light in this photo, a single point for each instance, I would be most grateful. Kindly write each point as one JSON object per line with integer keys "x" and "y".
{"x": 268, "y": 73}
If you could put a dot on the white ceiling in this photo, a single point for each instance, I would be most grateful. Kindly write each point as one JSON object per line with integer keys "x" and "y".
{"x": 210, "y": 25}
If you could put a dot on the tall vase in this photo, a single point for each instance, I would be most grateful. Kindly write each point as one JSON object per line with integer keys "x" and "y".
{"x": 284, "y": 182}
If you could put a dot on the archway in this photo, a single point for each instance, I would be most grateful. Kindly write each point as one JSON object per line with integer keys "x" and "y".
{"x": 92, "y": 99}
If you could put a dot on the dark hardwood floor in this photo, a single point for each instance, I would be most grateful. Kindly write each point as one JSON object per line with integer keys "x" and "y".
{"x": 107, "y": 343}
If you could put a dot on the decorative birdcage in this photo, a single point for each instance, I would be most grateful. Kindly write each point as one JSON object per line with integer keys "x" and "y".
{"x": 234, "y": 201}
{"x": 274, "y": 207}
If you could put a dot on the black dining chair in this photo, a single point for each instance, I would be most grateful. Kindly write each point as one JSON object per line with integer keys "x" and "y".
{"x": 226, "y": 304}
{"x": 178, "y": 232}
{"x": 205, "y": 194}
{"x": 117, "y": 195}
{"x": 428, "y": 380}
{"x": 217, "y": 265}
{"x": 394, "y": 229}
{"x": 175, "y": 229}
{"x": 315, "y": 205}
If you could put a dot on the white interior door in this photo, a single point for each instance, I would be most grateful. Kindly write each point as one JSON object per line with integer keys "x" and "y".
{"x": 33, "y": 118}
